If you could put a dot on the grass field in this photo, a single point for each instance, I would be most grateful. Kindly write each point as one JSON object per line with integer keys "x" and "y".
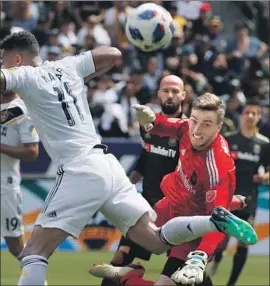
{"x": 70, "y": 268}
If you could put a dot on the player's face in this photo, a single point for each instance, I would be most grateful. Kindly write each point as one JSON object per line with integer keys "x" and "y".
{"x": 171, "y": 95}
{"x": 203, "y": 128}
{"x": 251, "y": 115}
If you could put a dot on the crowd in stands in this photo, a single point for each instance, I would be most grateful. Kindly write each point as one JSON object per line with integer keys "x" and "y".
{"x": 235, "y": 67}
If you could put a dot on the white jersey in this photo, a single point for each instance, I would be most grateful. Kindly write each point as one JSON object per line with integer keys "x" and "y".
{"x": 54, "y": 96}
{"x": 17, "y": 129}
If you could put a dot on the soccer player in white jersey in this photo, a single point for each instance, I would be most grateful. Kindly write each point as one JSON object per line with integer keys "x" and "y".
{"x": 87, "y": 179}
{"x": 19, "y": 141}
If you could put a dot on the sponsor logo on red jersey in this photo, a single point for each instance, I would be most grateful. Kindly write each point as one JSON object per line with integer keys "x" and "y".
{"x": 184, "y": 178}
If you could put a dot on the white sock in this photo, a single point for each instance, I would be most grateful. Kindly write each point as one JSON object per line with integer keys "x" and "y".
{"x": 34, "y": 270}
{"x": 186, "y": 228}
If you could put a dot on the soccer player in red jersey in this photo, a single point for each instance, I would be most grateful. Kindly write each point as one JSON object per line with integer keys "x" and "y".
{"x": 203, "y": 180}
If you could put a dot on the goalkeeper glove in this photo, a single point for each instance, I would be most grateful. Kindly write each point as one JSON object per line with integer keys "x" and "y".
{"x": 193, "y": 270}
{"x": 145, "y": 115}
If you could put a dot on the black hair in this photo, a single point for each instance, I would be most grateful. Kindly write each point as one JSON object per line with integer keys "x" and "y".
{"x": 253, "y": 101}
{"x": 240, "y": 25}
{"x": 21, "y": 41}
{"x": 8, "y": 93}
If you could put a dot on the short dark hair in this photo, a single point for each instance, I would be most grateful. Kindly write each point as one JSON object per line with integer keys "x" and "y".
{"x": 8, "y": 93}
{"x": 210, "y": 102}
{"x": 253, "y": 101}
{"x": 21, "y": 41}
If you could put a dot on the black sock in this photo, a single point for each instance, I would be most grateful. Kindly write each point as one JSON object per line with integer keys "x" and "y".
{"x": 207, "y": 281}
{"x": 109, "y": 282}
{"x": 218, "y": 257}
{"x": 239, "y": 261}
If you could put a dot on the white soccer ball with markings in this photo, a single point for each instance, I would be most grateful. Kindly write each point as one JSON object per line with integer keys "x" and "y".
{"x": 149, "y": 27}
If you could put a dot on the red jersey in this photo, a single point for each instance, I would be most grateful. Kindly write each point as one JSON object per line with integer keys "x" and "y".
{"x": 202, "y": 179}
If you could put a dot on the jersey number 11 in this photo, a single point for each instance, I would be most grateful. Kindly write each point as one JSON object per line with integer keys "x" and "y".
{"x": 65, "y": 106}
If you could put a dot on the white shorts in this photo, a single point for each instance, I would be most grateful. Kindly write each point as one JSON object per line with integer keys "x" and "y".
{"x": 11, "y": 214}
{"x": 100, "y": 183}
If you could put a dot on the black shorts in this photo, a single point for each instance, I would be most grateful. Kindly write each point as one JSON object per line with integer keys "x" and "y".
{"x": 174, "y": 263}
{"x": 135, "y": 249}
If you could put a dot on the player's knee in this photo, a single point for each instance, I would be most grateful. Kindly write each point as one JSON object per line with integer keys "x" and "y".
{"x": 157, "y": 249}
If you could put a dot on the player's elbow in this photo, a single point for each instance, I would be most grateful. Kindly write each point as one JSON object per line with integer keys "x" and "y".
{"x": 105, "y": 56}
{"x": 114, "y": 54}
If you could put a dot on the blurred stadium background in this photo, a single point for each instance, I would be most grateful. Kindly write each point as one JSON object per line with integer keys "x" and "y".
{"x": 202, "y": 53}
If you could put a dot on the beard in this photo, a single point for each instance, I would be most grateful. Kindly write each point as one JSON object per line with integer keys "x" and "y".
{"x": 170, "y": 108}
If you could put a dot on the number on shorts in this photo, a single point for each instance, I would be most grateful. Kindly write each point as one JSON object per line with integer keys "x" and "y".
{"x": 12, "y": 224}
{"x": 65, "y": 106}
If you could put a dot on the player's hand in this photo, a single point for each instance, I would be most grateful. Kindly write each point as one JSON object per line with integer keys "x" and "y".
{"x": 145, "y": 115}
{"x": 242, "y": 199}
{"x": 193, "y": 271}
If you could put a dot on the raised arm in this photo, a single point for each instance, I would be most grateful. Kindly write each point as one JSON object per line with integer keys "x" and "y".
{"x": 104, "y": 59}
{"x": 158, "y": 124}
{"x": 94, "y": 63}
{"x": 169, "y": 127}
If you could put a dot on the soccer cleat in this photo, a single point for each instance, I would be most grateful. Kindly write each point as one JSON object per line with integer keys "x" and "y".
{"x": 231, "y": 225}
{"x": 104, "y": 270}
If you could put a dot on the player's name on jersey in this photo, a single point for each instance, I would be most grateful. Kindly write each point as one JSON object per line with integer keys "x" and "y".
{"x": 52, "y": 77}
{"x": 160, "y": 150}
{"x": 245, "y": 156}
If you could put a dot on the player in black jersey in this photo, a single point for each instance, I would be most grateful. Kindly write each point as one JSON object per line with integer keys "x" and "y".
{"x": 159, "y": 157}
{"x": 250, "y": 151}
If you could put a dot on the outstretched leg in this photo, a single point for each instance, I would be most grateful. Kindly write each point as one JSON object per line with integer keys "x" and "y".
{"x": 183, "y": 229}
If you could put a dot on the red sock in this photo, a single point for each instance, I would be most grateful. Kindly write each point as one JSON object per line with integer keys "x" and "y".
{"x": 138, "y": 281}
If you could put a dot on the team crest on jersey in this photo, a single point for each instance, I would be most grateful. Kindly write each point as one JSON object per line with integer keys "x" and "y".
{"x": 32, "y": 129}
{"x": 210, "y": 196}
{"x": 193, "y": 178}
{"x": 183, "y": 152}
{"x": 4, "y": 115}
{"x": 256, "y": 149}
{"x": 172, "y": 142}
{"x": 12, "y": 69}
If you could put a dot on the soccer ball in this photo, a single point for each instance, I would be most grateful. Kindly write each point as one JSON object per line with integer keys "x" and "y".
{"x": 149, "y": 27}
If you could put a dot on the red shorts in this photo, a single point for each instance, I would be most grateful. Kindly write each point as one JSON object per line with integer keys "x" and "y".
{"x": 165, "y": 213}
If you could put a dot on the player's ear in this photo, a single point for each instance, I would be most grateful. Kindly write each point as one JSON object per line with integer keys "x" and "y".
{"x": 159, "y": 93}
{"x": 18, "y": 59}
{"x": 220, "y": 126}
{"x": 184, "y": 95}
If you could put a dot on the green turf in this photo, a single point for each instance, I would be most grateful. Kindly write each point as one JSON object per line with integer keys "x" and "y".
{"x": 70, "y": 268}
